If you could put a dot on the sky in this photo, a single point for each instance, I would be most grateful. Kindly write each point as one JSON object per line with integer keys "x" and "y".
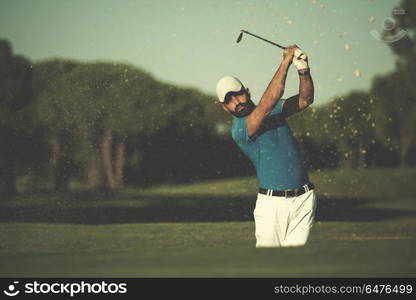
{"x": 193, "y": 43}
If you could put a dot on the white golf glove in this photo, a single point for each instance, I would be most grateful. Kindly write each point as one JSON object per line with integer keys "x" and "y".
{"x": 300, "y": 59}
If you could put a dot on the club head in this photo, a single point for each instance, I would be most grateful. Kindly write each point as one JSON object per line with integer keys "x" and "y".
{"x": 240, "y": 36}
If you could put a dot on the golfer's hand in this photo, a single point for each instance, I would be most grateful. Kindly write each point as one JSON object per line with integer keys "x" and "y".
{"x": 289, "y": 53}
{"x": 300, "y": 60}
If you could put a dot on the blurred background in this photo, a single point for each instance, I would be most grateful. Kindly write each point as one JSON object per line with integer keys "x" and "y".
{"x": 116, "y": 158}
{"x": 102, "y": 94}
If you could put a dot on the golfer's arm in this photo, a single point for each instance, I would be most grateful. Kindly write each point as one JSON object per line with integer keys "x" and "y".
{"x": 302, "y": 100}
{"x": 273, "y": 93}
{"x": 306, "y": 90}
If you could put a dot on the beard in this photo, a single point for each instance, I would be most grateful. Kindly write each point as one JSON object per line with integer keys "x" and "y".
{"x": 246, "y": 109}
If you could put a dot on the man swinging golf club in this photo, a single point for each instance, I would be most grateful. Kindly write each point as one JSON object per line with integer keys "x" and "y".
{"x": 286, "y": 201}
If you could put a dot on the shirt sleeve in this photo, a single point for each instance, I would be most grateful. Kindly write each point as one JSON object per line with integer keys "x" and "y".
{"x": 278, "y": 107}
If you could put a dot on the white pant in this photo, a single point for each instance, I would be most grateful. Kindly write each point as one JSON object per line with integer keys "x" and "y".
{"x": 283, "y": 222}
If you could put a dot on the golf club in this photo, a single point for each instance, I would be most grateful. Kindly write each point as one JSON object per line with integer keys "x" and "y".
{"x": 244, "y": 31}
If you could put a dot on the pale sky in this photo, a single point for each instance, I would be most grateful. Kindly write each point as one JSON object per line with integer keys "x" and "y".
{"x": 193, "y": 43}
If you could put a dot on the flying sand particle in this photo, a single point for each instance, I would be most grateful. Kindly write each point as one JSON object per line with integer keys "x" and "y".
{"x": 343, "y": 34}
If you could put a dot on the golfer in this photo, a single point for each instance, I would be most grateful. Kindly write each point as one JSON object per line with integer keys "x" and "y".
{"x": 286, "y": 201}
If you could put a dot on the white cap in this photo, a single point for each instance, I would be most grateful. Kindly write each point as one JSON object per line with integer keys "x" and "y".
{"x": 228, "y": 84}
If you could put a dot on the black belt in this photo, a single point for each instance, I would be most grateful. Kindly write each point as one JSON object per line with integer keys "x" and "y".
{"x": 288, "y": 193}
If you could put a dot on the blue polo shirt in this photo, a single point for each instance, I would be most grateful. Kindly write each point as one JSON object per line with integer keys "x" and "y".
{"x": 273, "y": 151}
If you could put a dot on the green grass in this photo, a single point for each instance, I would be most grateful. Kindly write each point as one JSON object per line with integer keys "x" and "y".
{"x": 366, "y": 227}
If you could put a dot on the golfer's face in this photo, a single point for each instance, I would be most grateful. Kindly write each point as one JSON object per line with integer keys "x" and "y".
{"x": 237, "y": 102}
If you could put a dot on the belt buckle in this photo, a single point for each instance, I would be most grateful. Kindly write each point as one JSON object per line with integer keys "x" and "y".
{"x": 295, "y": 193}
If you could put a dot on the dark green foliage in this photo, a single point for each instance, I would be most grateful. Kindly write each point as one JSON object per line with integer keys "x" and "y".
{"x": 19, "y": 147}
{"x": 80, "y": 101}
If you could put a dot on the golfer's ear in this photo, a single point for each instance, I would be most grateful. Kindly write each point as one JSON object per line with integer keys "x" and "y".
{"x": 248, "y": 91}
{"x": 226, "y": 109}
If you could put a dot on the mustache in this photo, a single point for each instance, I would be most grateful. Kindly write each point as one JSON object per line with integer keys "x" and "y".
{"x": 241, "y": 104}
{"x": 246, "y": 109}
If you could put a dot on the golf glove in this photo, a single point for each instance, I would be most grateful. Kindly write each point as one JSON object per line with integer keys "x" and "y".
{"x": 300, "y": 59}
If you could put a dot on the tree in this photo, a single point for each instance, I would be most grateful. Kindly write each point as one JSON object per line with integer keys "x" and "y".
{"x": 16, "y": 124}
{"x": 313, "y": 130}
{"x": 121, "y": 103}
{"x": 394, "y": 111}
{"x": 92, "y": 110}
{"x": 102, "y": 117}
{"x": 396, "y": 92}
{"x": 351, "y": 125}
{"x": 53, "y": 115}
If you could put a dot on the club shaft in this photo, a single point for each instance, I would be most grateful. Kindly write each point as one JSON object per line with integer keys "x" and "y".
{"x": 259, "y": 37}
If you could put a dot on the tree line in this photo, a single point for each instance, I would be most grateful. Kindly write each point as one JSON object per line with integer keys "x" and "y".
{"x": 95, "y": 123}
